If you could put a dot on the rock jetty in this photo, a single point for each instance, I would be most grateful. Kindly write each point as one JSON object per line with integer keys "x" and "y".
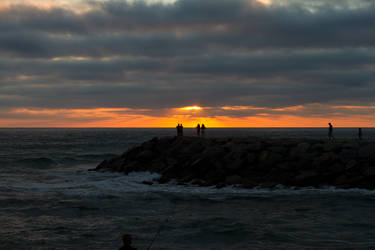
{"x": 252, "y": 162}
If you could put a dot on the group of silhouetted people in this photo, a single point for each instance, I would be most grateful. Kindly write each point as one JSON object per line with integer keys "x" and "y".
{"x": 180, "y": 130}
{"x": 332, "y": 138}
{"x": 201, "y": 129}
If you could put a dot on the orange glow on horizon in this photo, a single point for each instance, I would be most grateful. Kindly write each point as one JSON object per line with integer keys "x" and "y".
{"x": 128, "y": 117}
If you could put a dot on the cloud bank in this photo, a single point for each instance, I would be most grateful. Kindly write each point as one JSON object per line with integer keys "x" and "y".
{"x": 280, "y": 57}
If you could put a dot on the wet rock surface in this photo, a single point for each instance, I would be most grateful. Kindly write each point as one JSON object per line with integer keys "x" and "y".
{"x": 250, "y": 162}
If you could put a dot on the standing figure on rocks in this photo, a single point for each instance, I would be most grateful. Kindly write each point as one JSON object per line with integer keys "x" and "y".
{"x": 127, "y": 240}
{"x": 203, "y": 128}
{"x": 330, "y": 132}
{"x": 360, "y": 134}
{"x": 198, "y": 130}
{"x": 180, "y": 131}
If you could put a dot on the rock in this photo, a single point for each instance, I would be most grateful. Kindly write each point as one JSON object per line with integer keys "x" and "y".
{"x": 336, "y": 169}
{"x": 163, "y": 180}
{"x": 215, "y": 177}
{"x": 198, "y": 182}
{"x": 133, "y": 166}
{"x": 269, "y": 185}
{"x": 341, "y": 181}
{"x": 352, "y": 181}
{"x": 157, "y": 166}
{"x": 145, "y": 156}
{"x": 250, "y": 158}
{"x": 303, "y": 147}
{"x": 274, "y": 158}
{"x": 351, "y": 145}
{"x": 236, "y": 164}
{"x": 317, "y": 147}
{"x": 351, "y": 164}
{"x": 233, "y": 179}
{"x": 198, "y": 168}
{"x": 305, "y": 162}
{"x": 214, "y": 152}
{"x": 147, "y": 183}
{"x": 325, "y": 160}
{"x": 332, "y": 147}
{"x": 348, "y": 154}
{"x": 263, "y": 156}
{"x": 367, "y": 151}
{"x": 369, "y": 172}
{"x": 268, "y": 159}
{"x": 278, "y": 150}
{"x": 306, "y": 175}
{"x": 299, "y": 151}
{"x": 251, "y": 162}
{"x": 249, "y": 184}
{"x": 220, "y": 185}
{"x": 150, "y": 145}
{"x": 102, "y": 166}
{"x": 255, "y": 146}
{"x": 287, "y": 166}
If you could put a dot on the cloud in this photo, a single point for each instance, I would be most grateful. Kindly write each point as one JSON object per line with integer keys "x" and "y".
{"x": 157, "y": 56}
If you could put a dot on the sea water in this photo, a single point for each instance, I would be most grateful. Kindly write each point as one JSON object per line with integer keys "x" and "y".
{"x": 49, "y": 199}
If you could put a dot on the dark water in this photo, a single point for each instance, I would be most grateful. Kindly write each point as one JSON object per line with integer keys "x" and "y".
{"x": 48, "y": 200}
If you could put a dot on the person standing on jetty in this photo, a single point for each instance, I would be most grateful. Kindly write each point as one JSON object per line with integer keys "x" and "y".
{"x": 360, "y": 134}
{"x": 180, "y": 130}
{"x": 203, "y": 128}
{"x": 198, "y": 130}
{"x": 330, "y": 132}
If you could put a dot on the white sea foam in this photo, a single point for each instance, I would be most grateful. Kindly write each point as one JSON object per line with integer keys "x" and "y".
{"x": 91, "y": 183}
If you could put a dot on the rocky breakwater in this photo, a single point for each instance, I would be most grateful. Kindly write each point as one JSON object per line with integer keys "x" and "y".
{"x": 251, "y": 162}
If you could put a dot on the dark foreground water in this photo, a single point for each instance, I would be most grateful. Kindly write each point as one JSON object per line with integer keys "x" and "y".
{"x": 48, "y": 200}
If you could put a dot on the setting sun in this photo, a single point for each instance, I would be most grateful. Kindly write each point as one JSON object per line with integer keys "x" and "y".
{"x": 191, "y": 108}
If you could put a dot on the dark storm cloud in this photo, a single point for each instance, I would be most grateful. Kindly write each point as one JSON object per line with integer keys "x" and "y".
{"x": 245, "y": 23}
{"x": 211, "y": 53}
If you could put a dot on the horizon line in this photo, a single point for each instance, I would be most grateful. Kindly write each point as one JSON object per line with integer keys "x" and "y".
{"x": 167, "y": 127}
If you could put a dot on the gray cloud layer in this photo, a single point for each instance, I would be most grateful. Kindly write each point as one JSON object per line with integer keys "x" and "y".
{"x": 212, "y": 53}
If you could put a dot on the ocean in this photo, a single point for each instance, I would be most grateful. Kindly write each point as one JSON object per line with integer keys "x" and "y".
{"x": 49, "y": 199}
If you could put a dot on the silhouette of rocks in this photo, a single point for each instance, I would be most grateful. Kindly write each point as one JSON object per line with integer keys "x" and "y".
{"x": 251, "y": 162}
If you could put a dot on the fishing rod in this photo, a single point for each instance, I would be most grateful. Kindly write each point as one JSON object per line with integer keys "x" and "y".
{"x": 159, "y": 229}
{"x": 155, "y": 237}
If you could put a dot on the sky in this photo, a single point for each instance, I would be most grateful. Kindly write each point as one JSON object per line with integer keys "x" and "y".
{"x": 225, "y": 63}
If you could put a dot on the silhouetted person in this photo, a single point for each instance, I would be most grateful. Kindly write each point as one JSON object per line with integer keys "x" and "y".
{"x": 203, "y": 128}
{"x": 360, "y": 134}
{"x": 330, "y": 132}
{"x": 127, "y": 241}
{"x": 180, "y": 131}
{"x": 198, "y": 130}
